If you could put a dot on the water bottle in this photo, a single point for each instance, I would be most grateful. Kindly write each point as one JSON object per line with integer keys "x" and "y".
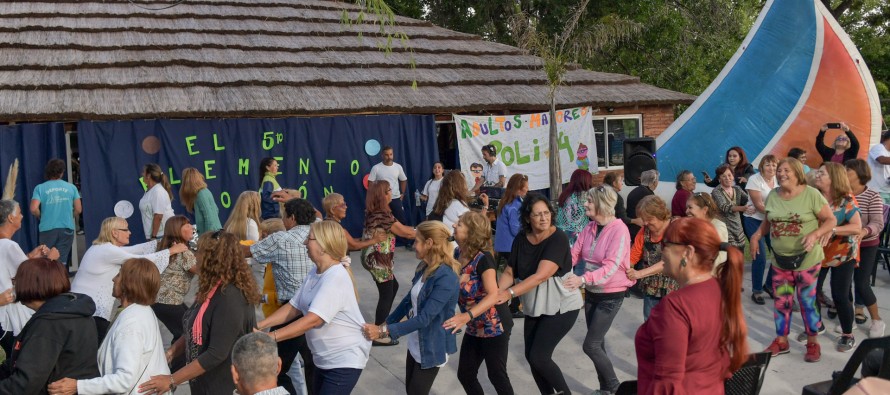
{"x": 417, "y": 197}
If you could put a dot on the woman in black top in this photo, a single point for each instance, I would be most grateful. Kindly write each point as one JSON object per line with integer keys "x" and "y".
{"x": 222, "y": 313}
{"x": 846, "y": 146}
{"x": 539, "y": 262}
{"x": 738, "y": 163}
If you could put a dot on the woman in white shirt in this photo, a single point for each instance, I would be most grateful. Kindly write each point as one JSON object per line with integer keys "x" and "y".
{"x": 132, "y": 352}
{"x": 758, "y": 188}
{"x": 156, "y": 205}
{"x": 452, "y": 200}
{"x": 103, "y": 260}
{"x": 331, "y": 318}
{"x": 431, "y": 189}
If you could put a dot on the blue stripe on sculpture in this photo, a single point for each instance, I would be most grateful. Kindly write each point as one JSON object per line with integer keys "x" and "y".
{"x": 755, "y": 97}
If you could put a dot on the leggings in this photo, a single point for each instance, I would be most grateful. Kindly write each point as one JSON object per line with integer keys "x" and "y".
{"x": 865, "y": 296}
{"x": 493, "y": 351}
{"x": 418, "y": 381}
{"x": 387, "y": 291}
{"x": 788, "y": 282}
{"x": 542, "y": 334}
{"x": 599, "y": 313}
{"x": 841, "y": 281}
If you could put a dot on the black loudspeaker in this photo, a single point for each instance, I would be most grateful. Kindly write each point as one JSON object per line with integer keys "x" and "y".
{"x": 639, "y": 156}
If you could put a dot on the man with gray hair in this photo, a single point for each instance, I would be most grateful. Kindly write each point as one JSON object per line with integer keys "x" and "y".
{"x": 255, "y": 365}
{"x": 648, "y": 183}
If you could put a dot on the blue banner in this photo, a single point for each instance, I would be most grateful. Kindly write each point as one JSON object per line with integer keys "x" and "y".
{"x": 316, "y": 155}
{"x": 33, "y": 145}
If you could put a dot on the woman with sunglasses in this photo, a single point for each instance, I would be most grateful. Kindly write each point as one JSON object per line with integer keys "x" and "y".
{"x": 103, "y": 261}
{"x": 696, "y": 337}
{"x": 797, "y": 220}
{"x": 846, "y": 146}
{"x": 223, "y": 312}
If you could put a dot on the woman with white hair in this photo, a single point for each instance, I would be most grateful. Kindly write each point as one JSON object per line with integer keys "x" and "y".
{"x": 603, "y": 248}
{"x": 13, "y": 316}
{"x": 103, "y": 261}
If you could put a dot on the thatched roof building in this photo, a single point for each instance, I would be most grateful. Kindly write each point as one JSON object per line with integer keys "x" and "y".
{"x": 65, "y": 60}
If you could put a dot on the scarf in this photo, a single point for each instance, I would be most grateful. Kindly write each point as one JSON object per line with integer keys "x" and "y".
{"x": 198, "y": 325}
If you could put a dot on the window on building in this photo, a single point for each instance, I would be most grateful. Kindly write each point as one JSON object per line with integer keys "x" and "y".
{"x": 610, "y": 133}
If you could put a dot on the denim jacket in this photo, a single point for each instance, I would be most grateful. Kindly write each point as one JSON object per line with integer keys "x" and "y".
{"x": 436, "y": 303}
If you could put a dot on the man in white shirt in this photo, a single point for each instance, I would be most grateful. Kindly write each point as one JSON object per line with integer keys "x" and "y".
{"x": 255, "y": 365}
{"x": 879, "y": 162}
{"x": 494, "y": 172}
{"x": 390, "y": 171}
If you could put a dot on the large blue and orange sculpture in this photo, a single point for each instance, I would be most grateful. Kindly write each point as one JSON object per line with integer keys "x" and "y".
{"x": 795, "y": 71}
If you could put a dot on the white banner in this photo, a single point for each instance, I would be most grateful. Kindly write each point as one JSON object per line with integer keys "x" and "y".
{"x": 522, "y": 143}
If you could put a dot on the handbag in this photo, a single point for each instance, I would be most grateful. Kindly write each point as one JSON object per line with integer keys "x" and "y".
{"x": 792, "y": 262}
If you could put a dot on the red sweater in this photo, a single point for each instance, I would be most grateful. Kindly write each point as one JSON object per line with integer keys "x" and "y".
{"x": 678, "y": 348}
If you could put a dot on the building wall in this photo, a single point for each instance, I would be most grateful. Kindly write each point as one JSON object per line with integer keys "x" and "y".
{"x": 656, "y": 119}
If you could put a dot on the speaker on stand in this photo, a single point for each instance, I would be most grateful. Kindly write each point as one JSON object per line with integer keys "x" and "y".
{"x": 639, "y": 156}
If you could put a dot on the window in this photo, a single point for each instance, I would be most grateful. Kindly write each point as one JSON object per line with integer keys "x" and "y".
{"x": 610, "y": 133}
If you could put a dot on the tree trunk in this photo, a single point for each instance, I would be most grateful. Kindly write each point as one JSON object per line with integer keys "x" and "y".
{"x": 555, "y": 168}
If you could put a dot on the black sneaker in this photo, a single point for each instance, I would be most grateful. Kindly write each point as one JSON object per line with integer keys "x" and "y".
{"x": 845, "y": 343}
{"x": 518, "y": 314}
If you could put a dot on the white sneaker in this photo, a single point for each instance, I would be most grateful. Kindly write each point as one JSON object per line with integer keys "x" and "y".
{"x": 876, "y": 329}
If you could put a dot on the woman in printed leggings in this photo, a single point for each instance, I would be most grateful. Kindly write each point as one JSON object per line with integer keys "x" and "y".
{"x": 797, "y": 219}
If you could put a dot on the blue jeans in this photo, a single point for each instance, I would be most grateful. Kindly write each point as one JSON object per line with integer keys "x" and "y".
{"x": 649, "y": 303}
{"x": 758, "y": 265}
{"x": 599, "y": 314}
{"x": 337, "y": 381}
{"x": 297, "y": 378}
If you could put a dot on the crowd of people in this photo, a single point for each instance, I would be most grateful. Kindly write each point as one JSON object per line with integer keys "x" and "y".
{"x": 542, "y": 263}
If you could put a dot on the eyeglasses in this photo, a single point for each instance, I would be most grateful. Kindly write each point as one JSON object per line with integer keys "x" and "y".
{"x": 843, "y": 138}
{"x": 543, "y": 214}
{"x": 476, "y": 171}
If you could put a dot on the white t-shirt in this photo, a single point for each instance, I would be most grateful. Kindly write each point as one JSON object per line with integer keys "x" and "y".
{"x": 155, "y": 201}
{"x": 453, "y": 213}
{"x": 14, "y": 316}
{"x": 391, "y": 174}
{"x": 431, "y": 191}
{"x": 879, "y": 172}
{"x": 757, "y": 183}
{"x": 493, "y": 172}
{"x": 102, "y": 262}
{"x": 413, "y": 338}
{"x": 339, "y": 342}
{"x": 130, "y": 355}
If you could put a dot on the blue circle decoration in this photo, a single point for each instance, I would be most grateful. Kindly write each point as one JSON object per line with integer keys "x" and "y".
{"x": 372, "y": 147}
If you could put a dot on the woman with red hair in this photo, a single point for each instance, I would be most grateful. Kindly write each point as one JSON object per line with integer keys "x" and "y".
{"x": 742, "y": 170}
{"x": 672, "y": 360}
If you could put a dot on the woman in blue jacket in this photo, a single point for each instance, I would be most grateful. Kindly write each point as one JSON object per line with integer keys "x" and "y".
{"x": 432, "y": 300}
{"x": 508, "y": 225}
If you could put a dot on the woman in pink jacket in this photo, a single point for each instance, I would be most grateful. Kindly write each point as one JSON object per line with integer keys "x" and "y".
{"x": 603, "y": 248}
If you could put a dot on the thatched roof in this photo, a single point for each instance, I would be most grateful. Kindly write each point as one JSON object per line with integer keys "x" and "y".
{"x": 73, "y": 60}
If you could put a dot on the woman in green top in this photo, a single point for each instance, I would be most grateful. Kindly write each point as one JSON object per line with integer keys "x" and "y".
{"x": 268, "y": 186}
{"x": 799, "y": 223}
{"x": 199, "y": 200}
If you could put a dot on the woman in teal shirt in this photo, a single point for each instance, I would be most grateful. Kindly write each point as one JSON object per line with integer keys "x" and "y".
{"x": 198, "y": 199}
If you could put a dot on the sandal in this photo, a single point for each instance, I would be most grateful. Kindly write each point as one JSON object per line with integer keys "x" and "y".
{"x": 860, "y": 318}
{"x": 758, "y": 298}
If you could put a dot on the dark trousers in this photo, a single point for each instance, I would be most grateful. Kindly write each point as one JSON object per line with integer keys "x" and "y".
{"x": 418, "y": 381}
{"x": 101, "y": 327}
{"x": 387, "y": 294}
{"x": 287, "y": 351}
{"x": 339, "y": 381}
{"x": 865, "y": 296}
{"x": 7, "y": 341}
{"x": 542, "y": 334}
{"x": 493, "y": 351}
{"x": 398, "y": 211}
{"x": 841, "y": 281}
{"x": 171, "y": 316}
{"x": 599, "y": 314}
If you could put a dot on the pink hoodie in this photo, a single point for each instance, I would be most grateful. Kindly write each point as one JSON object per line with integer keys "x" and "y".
{"x": 606, "y": 258}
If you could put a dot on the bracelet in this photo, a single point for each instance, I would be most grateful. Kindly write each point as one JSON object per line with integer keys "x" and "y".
{"x": 384, "y": 331}
{"x": 510, "y": 290}
{"x": 470, "y": 313}
{"x": 274, "y": 336}
{"x": 172, "y": 384}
